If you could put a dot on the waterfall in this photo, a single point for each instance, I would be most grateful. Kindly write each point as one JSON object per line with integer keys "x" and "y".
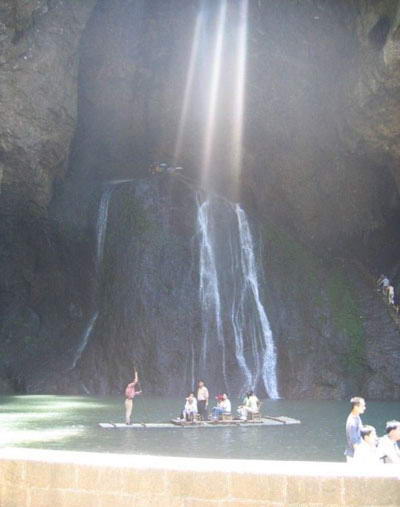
{"x": 267, "y": 353}
{"x": 85, "y": 339}
{"x": 234, "y": 320}
{"x": 101, "y": 229}
{"x": 102, "y": 217}
{"x": 209, "y": 290}
{"x": 101, "y": 224}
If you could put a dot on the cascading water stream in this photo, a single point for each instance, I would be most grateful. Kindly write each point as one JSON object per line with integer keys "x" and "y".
{"x": 85, "y": 339}
{"x": 209, "y": 290}
{"x": 249, "y": 272}
{"x": 102, "y": 218}
{"x": 233, "y": 316}
{"x": 101, "y": 224}
{"x": 101, "y": 229}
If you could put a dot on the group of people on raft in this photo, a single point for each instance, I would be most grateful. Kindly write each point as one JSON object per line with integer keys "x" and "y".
{"x": 196, "y": 407}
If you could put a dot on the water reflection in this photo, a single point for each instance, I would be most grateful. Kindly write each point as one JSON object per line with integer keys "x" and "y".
{"x": 12, "y": 437}
{"x": 71, "y": 423}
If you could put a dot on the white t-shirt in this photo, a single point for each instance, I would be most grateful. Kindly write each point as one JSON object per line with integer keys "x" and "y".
{"x": 191, "y": 407}
{"x": 202, "y": 393}
{"x": 365, "y": 454}
{"x": 389, "y": 449}
{"x": 252, "y": 403}
{"x": 226, "y": 405}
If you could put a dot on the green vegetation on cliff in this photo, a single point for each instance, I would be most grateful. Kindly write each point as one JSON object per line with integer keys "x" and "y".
{"x": 305, "y": 274}
{"x": 346, "y": 318}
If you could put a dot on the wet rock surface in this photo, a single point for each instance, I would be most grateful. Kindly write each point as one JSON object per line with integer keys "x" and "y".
{"x": 320, "y": 177}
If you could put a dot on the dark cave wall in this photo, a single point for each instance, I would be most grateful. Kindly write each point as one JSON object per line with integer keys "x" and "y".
{"x": 320, "y": 165}
{"x": 334, "y": 334}
{"x": 40, "y": 298}
{"x": 307, "y": 62}
{"x": 313, "y": 180}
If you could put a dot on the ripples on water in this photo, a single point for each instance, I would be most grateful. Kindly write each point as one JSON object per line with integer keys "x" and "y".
{"x": 71, "y": 423}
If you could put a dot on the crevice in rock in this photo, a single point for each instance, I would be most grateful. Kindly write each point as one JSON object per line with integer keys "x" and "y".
{"x": 377, "y": 36}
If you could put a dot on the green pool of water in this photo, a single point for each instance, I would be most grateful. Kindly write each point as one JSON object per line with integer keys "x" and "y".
{"x": 71, "y": 423}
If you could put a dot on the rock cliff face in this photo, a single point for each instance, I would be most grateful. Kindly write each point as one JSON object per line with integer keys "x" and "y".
{"x": 39, "y": 43}
{"x": 372, "y": 87}
{"x": 39, "y": 65}
{"x": 320, "y": 177}
{"x": 325, "y": 187}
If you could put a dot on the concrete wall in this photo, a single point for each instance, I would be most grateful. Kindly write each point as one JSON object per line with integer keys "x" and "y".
{"x": 37, "y": 478}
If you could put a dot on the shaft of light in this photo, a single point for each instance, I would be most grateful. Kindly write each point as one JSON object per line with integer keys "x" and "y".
{"x": 189, "y": 86}
{"x": 213, "y": 96}
{"x": 237, "y": 137}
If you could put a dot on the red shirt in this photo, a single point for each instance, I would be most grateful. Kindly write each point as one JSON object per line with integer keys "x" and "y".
{"x": 130, "y": 391}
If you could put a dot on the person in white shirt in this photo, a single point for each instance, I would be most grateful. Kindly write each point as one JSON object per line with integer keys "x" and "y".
{"x": 223, "y": 407}
{"x": 190, "y": 410}
{"x": 390, "y": 294}
{"x": 388, "y": 446}
{"x": 382, "y": 283}
{"x": 367, "y": 453}
{"x": 251, "y": 405}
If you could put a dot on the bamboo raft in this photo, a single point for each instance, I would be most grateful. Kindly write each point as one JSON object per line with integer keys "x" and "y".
{"x": 181, "y": 423}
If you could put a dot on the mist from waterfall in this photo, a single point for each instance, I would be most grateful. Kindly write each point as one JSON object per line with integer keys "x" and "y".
{"x": 234, "y": 320}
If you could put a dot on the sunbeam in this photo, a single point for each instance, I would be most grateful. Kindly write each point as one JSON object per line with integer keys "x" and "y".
{"x": 239, "y": 101}
{"x": 189, "y": 85}
{"x": 213, "y": 95}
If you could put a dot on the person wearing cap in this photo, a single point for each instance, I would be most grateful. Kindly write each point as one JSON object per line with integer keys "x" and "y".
{"x": 388, "y": 446}
{"x": 354, "y": 426}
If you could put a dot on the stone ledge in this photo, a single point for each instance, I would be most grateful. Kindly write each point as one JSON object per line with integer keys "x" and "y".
{"x": 33, "y": 478}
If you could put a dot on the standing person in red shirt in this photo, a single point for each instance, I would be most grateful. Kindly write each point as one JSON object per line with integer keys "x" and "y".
{"x": 130, "y": 393}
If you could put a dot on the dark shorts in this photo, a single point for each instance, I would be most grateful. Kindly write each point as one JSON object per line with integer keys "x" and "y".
{"x": 202, "y": 409}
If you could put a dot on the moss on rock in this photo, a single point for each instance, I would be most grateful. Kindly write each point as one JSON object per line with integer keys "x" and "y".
{"x": 347, "y": 319}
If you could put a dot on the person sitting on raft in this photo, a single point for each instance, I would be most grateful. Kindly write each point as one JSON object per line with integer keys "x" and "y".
{"x": 190, "y": 410}
{"x": 251, "y": 405}
{"x": 223, "y": 406}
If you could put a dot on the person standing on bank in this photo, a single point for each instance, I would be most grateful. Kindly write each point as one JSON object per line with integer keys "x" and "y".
{"x": 130, "y": 393}
{"x": 202, "y": 400}
{"x": 354, "y": 426}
